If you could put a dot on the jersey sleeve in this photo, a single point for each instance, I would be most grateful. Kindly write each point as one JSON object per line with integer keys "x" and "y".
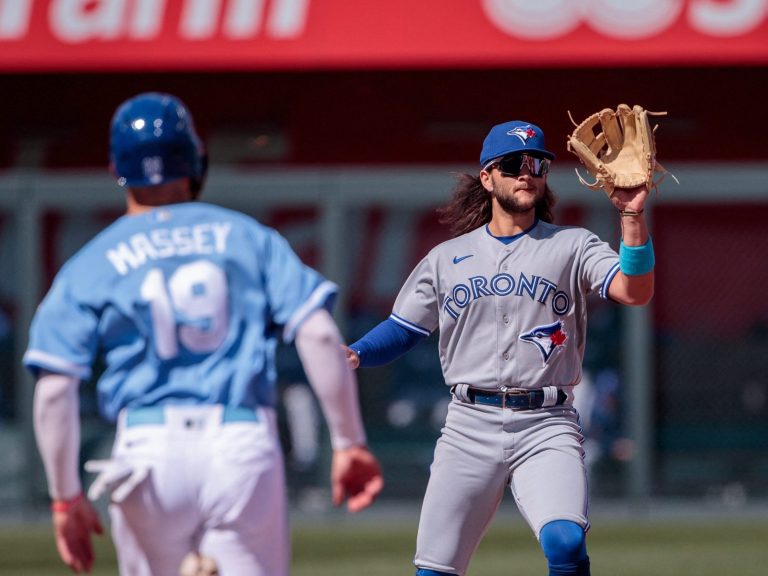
{"x": 416, "y": 306}
{"x": 599, "y": 265}
{"x": 63, "y": 336}
{"x": 294, "y": 290}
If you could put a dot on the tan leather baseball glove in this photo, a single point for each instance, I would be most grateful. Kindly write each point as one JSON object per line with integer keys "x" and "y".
{"x": 618, "y": 149}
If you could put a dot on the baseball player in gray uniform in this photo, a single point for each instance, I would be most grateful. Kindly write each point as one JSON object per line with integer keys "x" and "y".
{"x": 508, "y": 296}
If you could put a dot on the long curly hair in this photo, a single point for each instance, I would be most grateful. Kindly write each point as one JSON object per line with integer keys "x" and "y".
{"x": 470, "y": 206}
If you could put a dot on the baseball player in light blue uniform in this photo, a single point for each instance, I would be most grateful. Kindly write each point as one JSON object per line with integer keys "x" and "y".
{"x": 508, "y": 297}
{"x": 185, "y": 301}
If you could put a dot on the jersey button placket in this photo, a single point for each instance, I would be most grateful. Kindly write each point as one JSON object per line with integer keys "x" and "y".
{"x": 506, "y": 324}
{"x": 504, "y": 335}
{"x": 503, "y": 316}
{"x": 505, "y": 328}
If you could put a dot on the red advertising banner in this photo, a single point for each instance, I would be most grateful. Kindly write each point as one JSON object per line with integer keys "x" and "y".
{"x": 81, "y": 35}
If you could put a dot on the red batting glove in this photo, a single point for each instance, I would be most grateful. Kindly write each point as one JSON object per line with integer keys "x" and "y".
{"x": 355, "y": 477}
{"x": 73, "y": 522}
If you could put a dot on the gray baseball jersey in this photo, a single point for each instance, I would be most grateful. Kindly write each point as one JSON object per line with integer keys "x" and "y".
{"x": 509, "y": 314}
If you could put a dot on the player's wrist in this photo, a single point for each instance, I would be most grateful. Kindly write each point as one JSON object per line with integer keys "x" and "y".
{"x": 348, "y": 446}
{"x": 629, "y": 213}
{"x": 60, "y": 505}
{"x": 636, "y": 260}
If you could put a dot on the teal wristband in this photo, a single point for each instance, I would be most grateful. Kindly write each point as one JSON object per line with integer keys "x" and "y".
{"x": 636, "y": 260}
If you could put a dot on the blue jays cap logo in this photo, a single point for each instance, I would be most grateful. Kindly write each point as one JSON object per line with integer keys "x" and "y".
{"x": 547, "y": 339}
{"x": 522, "y": 132}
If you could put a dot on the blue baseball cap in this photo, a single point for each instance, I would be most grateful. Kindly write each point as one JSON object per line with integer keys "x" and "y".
{"x": 514, "y": 136}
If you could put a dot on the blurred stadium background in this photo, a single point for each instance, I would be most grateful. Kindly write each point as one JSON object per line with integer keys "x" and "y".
{"x": 343, "y": 124}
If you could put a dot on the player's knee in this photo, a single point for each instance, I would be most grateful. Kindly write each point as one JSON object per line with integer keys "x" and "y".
{"x": 563, "y": 542}
{"x": 425, "y": 572}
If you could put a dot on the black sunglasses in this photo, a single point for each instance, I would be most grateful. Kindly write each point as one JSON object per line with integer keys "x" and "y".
{"x": 513, "y": 164}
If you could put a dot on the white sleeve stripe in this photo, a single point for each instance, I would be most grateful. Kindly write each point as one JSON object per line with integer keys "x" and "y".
{"x": 608, "y": 279}
{"x": 40, "y": 359}
{"x": 409, "y": 325}
{"x": 315, "y": 300}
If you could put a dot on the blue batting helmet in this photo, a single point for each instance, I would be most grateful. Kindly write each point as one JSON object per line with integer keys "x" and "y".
{"x": 153, "y": 140}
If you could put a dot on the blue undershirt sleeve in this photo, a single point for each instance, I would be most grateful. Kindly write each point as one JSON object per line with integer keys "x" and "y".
{"x": 384, "y": 343}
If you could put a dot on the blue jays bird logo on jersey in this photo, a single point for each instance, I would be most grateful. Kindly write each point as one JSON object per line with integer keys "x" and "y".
{"x": 548, "y": 338}
{"x": 522, "y": 132}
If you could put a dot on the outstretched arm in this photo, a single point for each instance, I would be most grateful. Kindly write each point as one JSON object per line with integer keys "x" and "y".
{"x": 383, "y": 344}
{"x": 355, "y": 472}
{"x": 57, "y": 431}
{"x": 634, "y": 284}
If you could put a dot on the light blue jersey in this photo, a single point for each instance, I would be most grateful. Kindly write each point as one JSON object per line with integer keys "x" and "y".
{"x": 185, "y": 303}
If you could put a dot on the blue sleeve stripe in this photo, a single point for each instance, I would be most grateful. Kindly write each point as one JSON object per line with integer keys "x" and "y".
{"x": 410, "y": 325}
{"x": 316, "y": 300}
{"x": 37, "y": 359}
{"x": 384, "y": 343}
{"x": 608, "y": 279}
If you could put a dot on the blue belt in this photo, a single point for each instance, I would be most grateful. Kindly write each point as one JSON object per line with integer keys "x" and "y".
{"x": 513, "y": 399}
{"x": 155, "y": 415}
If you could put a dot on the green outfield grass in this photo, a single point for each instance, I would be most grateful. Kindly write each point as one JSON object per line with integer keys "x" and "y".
{"x": 728, "y": 548}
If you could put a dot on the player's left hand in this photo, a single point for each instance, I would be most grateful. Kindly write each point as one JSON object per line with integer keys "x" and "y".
{"x": 355, "y": 477}
{"x": 630, "y": 198}
{"x": 72, "y": 529}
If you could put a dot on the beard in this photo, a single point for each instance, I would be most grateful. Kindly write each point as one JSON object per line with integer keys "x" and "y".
{"x": 512, "y": 205}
